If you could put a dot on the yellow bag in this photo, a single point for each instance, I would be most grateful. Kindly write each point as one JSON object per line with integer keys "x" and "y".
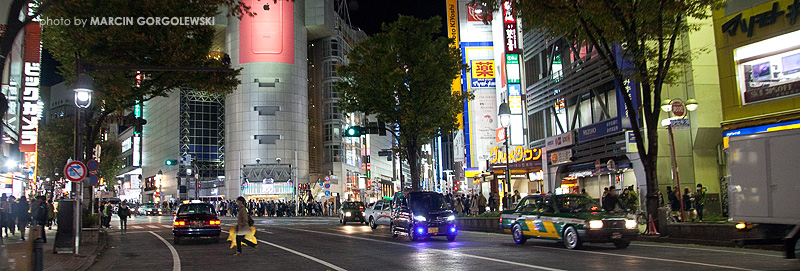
{"x": 249, "y": 237}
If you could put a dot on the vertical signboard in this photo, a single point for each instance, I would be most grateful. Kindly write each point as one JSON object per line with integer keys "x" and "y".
{"x": 627, "y": 87}
{"x": 510, "y": 29}
{"x": 452, "y": 32}
{"x": 269, "y": 35}
{"x": 31, "y": 104}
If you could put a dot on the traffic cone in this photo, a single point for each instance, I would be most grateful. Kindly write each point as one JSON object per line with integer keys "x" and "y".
{"x": 651, "y": 228}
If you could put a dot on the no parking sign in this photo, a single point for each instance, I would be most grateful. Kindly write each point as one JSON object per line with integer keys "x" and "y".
{"x": 75, "y": 171}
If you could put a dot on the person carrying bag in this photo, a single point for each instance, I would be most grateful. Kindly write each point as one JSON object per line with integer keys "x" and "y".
{"x": 244, "y": 230}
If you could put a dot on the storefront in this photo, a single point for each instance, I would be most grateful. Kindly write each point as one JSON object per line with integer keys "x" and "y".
{"x": 595, "y": 161}
{"x": 525, "y": 167}
{"x": 758, "y": 51}
{"x": 268, "y": 191}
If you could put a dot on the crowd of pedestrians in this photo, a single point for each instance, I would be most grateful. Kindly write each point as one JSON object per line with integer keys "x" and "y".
{"x": 692, "y": 203}
{"x": 16, "y": 215}
{"x": 272, "y": 208}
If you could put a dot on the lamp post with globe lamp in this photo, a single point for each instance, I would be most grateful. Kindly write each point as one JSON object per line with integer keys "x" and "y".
{"x": 505, "y": 120}
{"x": 676, "y": 107}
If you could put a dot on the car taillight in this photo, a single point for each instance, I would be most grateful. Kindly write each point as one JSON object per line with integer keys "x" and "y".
{"x": 179, "y": 223}
{"x": 213, "y": 222}
{"x": 361, "y": 208}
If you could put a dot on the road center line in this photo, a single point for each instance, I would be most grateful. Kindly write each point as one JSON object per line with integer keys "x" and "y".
{"x": 709, "y": 249}
{"x": 332, "y": 266}
{"x": 434, "y": 249}
{"x": 652, "y": 259}
{"x": 176, "y": 260}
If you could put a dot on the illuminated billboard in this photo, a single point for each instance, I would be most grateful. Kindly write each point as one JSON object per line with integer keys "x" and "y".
{"x": 269, "y": 35}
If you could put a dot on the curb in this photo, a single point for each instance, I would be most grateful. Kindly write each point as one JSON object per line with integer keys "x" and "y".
{"x": 101, "y": 247}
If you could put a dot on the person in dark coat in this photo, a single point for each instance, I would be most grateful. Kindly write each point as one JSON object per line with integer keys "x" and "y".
{"x": 23, "y": 217}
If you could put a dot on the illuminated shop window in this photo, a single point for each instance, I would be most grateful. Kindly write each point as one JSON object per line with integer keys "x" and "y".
{"x": 768, "y": 69}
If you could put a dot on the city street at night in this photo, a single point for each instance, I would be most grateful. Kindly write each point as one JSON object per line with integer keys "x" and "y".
{"x": 321, "y": 243}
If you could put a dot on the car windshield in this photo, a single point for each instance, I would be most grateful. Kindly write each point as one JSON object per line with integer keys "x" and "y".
{"x": 352, "y": 205}
{"x": 576, "y": 203}
{"x": 195, "y": 209}
{"x": 149, "y": 205}
{"x": 428, "y": 201}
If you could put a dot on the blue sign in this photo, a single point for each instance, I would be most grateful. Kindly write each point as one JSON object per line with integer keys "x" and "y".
{"x": 600, "y": 129}
{"x": 327, "y": 185}
{"x": 93, "y": 180}
{"x": 327, "y": 193}
{"x": 761, "y": 129}
{"x": 92, "y": 164}
{"x": 628, "y": 86}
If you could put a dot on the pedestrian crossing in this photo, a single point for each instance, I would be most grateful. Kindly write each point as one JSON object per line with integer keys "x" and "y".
{"x": 155, "y": 226}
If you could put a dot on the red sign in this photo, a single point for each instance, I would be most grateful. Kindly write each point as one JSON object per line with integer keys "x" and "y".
{"x": 75, "y": 171}
{"x": 500, "y": 134}
{"x": 678, "y": 109}
{"x": 597, "y": 164}
{"x": 510, "y": 29}
{"x": 31, "y": 104}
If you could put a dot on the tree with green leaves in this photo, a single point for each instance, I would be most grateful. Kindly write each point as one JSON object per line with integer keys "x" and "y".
{"x": 403, "y": 76}
{"x": 647, "y": 31}
{"x": 54, "y": 147}
{"x": 110, "y": 162}
{"x": 113, "y": 54}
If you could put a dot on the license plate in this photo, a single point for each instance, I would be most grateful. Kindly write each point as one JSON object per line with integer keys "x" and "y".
{"x": 616, "y": 235}
{"x": 433, "y": 230}
{"x": 197, "y": 224}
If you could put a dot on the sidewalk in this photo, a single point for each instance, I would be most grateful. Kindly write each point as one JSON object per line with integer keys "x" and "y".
{"x": 50, "y": 261}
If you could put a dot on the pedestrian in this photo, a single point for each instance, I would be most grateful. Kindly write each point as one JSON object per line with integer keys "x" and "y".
{"x": 39, "y": 214}
{"x": 459, "y": 206}
{"x": 481, "y": 204}
{"x": 612, "y": 201}
{"x": 243, "y": 227}
{"x": 674, "y": 205}
{"x": 51, "y": 214}
{"x": 473, "y": 208}
{"x": 107, "y": 211}
{"x": 124, "y": 212}
{"x": 516, "y": 197}
{"x": 699, "y": 201}
{"x": 5, "y": 210}
{"x": 687, "y": 204}
{"x": 23, "y": 217}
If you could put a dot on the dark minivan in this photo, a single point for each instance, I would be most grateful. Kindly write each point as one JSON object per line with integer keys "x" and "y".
{"x": 421, "y": 214}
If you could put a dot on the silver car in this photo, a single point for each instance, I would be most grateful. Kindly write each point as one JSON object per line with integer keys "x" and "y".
{"x": 379, "y": 214}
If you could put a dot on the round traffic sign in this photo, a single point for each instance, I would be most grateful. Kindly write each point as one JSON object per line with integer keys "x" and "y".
{"x": 92, "y": 165}
{"x": 93, "y": 180}
{"x": 678, "y": 109}
{"x": 327, "y": 178}
{"x": 327, "y": 185}
{"x": 75, "y": 171}
{"x": 327, "y": 193}
{"x": 597, "y": 164}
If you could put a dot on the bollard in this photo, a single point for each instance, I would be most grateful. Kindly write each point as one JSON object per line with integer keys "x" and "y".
{"x": 37, "y": 254}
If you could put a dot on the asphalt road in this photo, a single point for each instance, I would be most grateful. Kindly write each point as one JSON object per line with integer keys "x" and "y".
{"x": 316, "y": 243}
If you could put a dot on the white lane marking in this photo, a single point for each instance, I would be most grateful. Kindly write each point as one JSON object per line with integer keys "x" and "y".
{"x": 650, "y": 258}
{"x": 135, "y": 227}
{"x": 176, "y": 260}
{"x": 712, "y": 250}
{"x": 437, "y": 250}
{"x": 332, "y": 266}
{"x": 152, "y": 226}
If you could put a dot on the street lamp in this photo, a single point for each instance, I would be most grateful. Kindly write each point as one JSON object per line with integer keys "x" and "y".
{"x": 83, "y": 99}
{"x": 676, "y": 107}
{"x": 505, "y": 120}
{"x": 83, "y": 90}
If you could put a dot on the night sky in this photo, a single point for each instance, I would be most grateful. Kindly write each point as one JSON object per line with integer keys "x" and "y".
{"x": 369, "y": 14}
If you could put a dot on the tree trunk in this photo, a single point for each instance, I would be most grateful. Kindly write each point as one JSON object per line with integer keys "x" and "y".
{"x": 650, "y": 163}
{"x": 413, "y": 163}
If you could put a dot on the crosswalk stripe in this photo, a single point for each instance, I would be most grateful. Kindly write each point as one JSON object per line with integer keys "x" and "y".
{"x": 152, "y": 226}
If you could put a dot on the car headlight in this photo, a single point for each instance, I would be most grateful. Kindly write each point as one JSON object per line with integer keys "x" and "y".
{"x": 630, "y": 223}
{"x": 596, "y": 224}
{"x": 451, "y": 218}
{"x": 420, "y": 218}
{"x": 347, "y": 214}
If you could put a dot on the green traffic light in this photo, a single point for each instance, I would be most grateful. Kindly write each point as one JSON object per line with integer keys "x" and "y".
{"x": 352, "y": 131}
{"x": 171, "y": 162}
